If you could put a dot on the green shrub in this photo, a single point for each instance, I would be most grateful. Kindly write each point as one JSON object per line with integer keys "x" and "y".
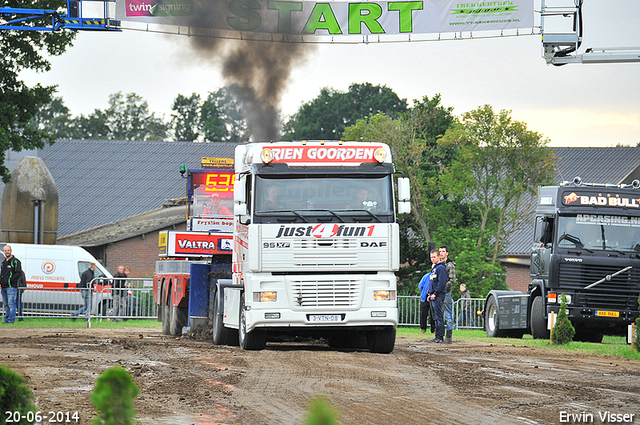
{"x": 113, "y": 397}
{"x": 321, "y": 413}
{"x": 15, "y": 396}
{"x": 563, "y": 331}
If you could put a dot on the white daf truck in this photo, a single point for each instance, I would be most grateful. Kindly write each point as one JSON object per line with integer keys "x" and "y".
{"x": 315, "y": 245}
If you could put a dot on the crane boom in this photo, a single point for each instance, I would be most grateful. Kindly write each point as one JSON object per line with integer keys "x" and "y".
{"x": 12, "y": 18}
{"x": 560, "y": 48}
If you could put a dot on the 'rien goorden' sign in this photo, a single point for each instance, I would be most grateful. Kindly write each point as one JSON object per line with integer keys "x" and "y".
{"x": 332, "y": 18}
{"x": 323, "y": 154}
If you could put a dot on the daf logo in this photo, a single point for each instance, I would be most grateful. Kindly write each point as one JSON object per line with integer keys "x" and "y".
{"x": 573, "y": 260}
{"x": 373, "y": 244}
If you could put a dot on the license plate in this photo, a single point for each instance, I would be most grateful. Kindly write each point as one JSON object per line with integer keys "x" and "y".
{"x": 607, "y": 313}
{"x": 325, "y": 318}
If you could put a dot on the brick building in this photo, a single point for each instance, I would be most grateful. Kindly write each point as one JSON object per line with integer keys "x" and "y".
{"x": 115, "y": 196}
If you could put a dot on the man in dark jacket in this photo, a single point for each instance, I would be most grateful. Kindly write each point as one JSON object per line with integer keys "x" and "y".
{"x": 10, "y": 274}
{"x": 119, "y": 294}
{"x": 437, "y": 291}
{"x": 85, "y": 291}
{"x": 448, "y": 301}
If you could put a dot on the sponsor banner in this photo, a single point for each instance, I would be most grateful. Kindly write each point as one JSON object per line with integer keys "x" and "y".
{"x": 324, "y": 231}
{"x": 196, "y": 244}
{"x": 217, "y": 225}
{"x": 608, "y": 220}
{"x": 614, "y": 200}
{"x": 333, "y": 18}
{"x": 323, "y": 154}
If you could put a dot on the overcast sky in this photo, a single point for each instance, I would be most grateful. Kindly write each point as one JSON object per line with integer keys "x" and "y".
{"x": 573, "y": 105}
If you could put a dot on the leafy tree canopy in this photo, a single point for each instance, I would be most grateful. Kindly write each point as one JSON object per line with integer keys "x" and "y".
{"x": 326, "y": 116}
{"x": 18, "y": 103}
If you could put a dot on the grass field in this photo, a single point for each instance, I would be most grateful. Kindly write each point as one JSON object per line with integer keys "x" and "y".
{"x": 611, "y": 345}
{"x": 80, "y": 323}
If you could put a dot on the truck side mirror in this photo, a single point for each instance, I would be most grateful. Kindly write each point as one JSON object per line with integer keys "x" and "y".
{"x": 239, "y": 193}
{"x": 239, "y": 209}
{"x": 404, "y": 207}
{"x": 404, "y": 189}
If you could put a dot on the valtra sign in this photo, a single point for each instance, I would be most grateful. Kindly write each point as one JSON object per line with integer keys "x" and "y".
{"x": 188, "y": 244}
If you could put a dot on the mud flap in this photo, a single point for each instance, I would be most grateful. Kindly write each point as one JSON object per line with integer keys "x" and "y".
{"x": 198, "y": 295}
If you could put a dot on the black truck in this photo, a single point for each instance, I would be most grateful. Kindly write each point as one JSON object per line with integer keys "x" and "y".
{"x": 586, "y": 245}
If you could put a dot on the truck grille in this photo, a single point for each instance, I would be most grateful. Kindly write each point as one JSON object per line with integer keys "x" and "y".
{"x": 338, "y": 292}
{"x": 619, "y": 293}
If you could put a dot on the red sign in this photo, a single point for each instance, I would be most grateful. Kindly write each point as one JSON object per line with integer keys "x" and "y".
{"x": 195, "y": 244}
{"x": 323, "y": 154}
{"x": 214, "y": 181}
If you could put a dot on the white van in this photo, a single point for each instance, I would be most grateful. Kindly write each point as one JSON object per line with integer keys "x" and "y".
{"x": 52, "y": 273}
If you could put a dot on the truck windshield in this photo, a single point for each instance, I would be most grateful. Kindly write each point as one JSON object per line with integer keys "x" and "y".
{"x": 331, "y": 197}
{"x": 599, "y": 232}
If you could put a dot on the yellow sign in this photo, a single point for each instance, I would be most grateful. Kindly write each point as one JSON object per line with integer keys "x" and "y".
{"x": 217, "y": 162}
{"x": 607, "y": 313}
{"x": 162, "y": 243}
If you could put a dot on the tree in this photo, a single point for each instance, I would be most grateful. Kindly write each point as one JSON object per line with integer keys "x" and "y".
{"x": 186, "y": 119}
{"x": 54, "y": 118}
{"x": 129, "y": 119}
{"x": 113, "y": 397}
{"x": 15, "y": 397}
{"x": 498, "y": 166}
{"x": 19, "y": 104}
{"x": 222, "y": 119}
{"x": 327, "y": 116}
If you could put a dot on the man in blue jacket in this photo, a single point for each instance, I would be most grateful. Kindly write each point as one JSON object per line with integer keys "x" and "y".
{"x": 437, "y": 290}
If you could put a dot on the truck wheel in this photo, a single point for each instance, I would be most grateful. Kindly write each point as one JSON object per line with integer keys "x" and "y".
{"x": 178, "y": 320}
{"x": 382, "y": 341}
{"x": 492, "y": 321}
{"x": 221, "y": 335}
{"x": 538, "y": 322}
{"x": 254, "y": 340}
{"x": 166, "y": 312}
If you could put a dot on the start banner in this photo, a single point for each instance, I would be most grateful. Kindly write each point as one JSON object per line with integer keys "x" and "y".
{"x": 332, "y": 18}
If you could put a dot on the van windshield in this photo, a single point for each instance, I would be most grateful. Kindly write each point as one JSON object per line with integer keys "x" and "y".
{"x": 84, "y": 265}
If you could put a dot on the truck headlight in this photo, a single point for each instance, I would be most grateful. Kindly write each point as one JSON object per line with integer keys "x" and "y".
{"x": 265, "y": 297}
{"x": 384, "y": 295}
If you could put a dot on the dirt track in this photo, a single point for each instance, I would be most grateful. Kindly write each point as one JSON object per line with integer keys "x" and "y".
{"x": 189, "y": 381}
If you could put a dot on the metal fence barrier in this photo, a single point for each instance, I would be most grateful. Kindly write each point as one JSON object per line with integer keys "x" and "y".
{"x": 135, "y": 301}
{"x": 465, "y": 312}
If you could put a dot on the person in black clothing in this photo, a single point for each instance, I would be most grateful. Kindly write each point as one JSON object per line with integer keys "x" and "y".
{"x": 22, "y": 285}
{"x": 10, "y": 273}
{"x": 85, "y": 291}
{"x": 119, "y": 293}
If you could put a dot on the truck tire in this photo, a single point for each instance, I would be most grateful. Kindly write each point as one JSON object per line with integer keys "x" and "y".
{"x": 492, "y": 321}
{"x": 178, "y": 320}
{"x": 254, "y": 340}
{"x": 166, "y": 311}
{"x": 382, "y": 341}
{"x": 221, "y": 335}
{"x": 538, "y": 322}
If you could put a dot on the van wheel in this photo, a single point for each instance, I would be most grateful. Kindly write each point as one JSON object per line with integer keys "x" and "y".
{"x": 166, "y": 312}
{"x": 178, "y": 320}
{"x": 254, "y": 340}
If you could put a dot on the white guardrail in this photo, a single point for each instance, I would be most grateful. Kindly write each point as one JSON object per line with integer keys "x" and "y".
{"x": 134, "y": 301}
{"x": 465, "y": 312}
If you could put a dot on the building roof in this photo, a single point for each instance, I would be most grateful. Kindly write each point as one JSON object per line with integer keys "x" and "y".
{"x": 103, "y": 181}
{"x": 127, "y": 227}
{"x": 593, "y": 165}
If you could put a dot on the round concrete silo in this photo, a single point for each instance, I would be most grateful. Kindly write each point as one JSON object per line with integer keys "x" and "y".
{"x": 30, "y": 204}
